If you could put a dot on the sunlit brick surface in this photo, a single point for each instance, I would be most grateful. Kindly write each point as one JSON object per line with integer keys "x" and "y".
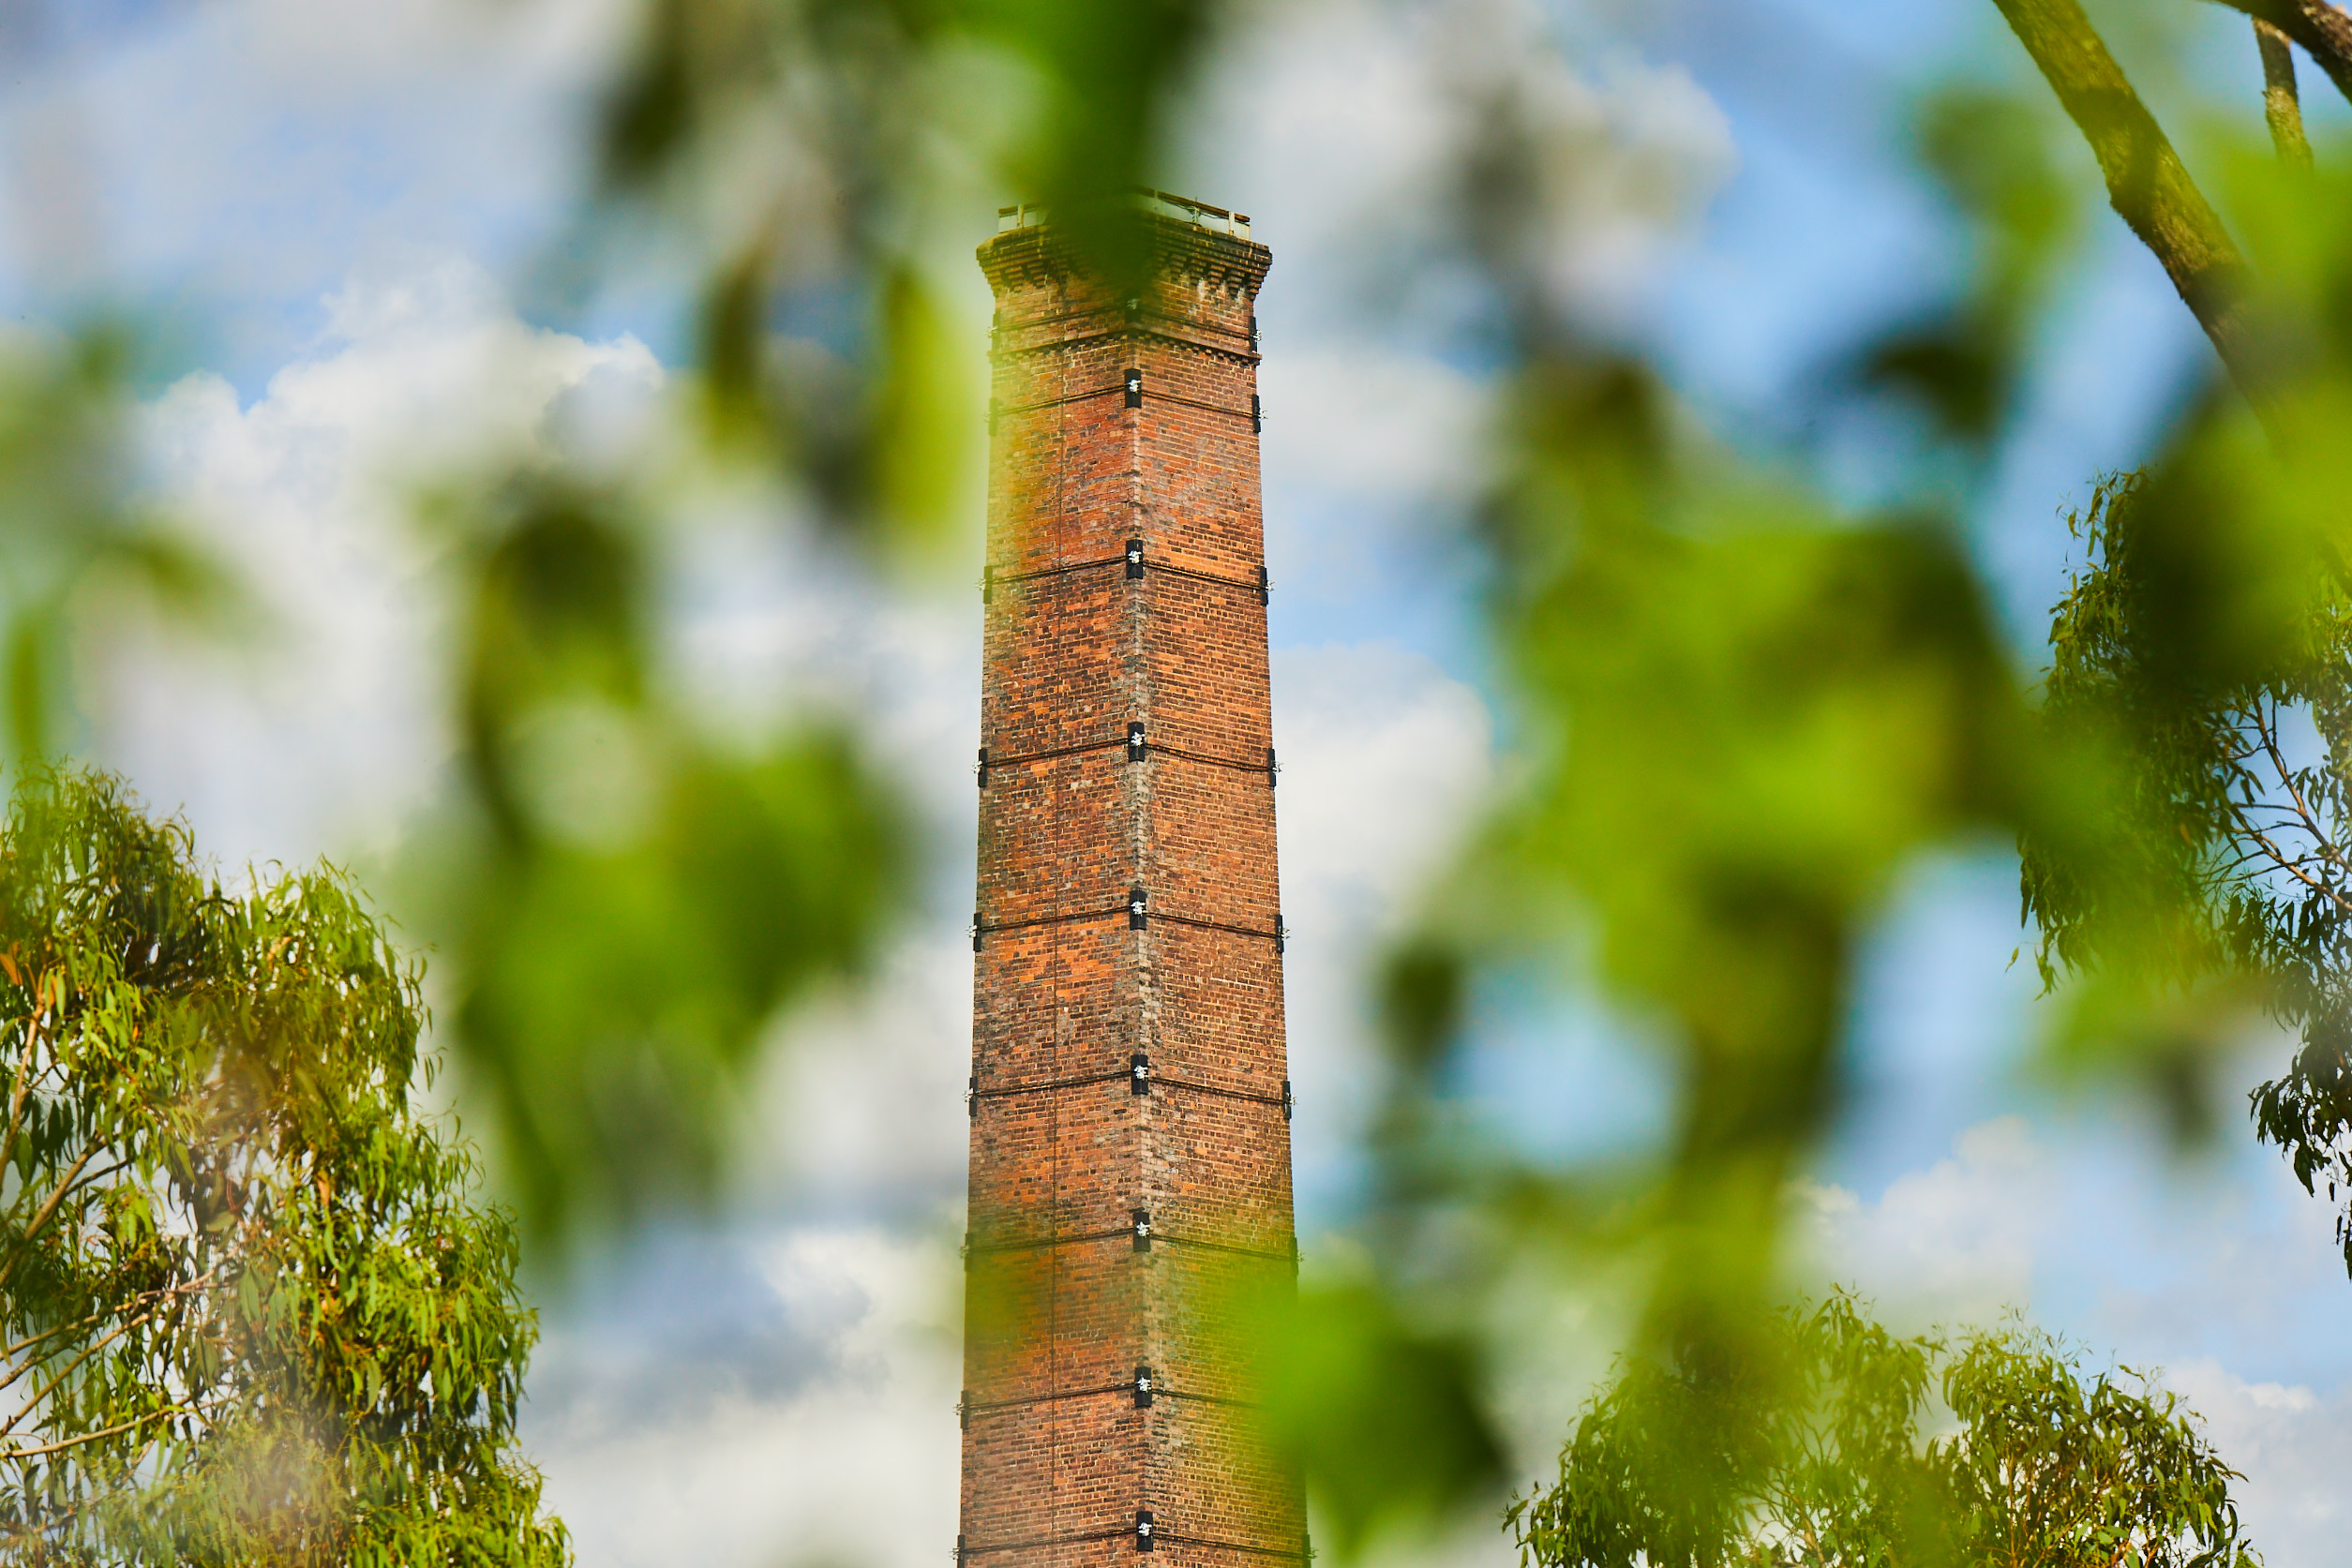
{"x": 1061, "y": 1307}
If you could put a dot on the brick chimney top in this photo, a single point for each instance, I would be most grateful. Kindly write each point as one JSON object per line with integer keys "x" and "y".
{"x": 1201, "y": 215}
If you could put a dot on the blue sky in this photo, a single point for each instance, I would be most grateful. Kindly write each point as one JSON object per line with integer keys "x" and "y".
{"x": 340, "y": 220}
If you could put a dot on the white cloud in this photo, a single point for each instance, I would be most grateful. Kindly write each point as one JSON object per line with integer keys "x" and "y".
{"x": 1350, "y": 131}
{"x": 327, "y": 727}
{"x": 2199, "y": 1274}
{"x": 237, "y": 155}
{"x": 829, "y": 1435}
{"x": 1353, "y": 132}
{"x": 1385, "y": 760}
{"x": 1953, "y": 1243}
{"x": 2295, "y": 1447}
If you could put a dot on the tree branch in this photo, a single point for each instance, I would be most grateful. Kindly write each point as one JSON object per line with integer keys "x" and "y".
{"x": 2148, "y": 185}
{"x": 2324, "y": 30}
{"x": 2281, "y": 105}
{"x": 41, "y": 1220}
{"x": 23, "y": 1079}
{"x": 35, "y": 1450}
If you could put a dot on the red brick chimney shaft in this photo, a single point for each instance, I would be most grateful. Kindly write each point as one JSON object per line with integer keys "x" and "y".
{"x": 1131, "y": 1183}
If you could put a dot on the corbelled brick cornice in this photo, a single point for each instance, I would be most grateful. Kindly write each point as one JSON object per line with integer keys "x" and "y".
{"x": 1188, "y": 253}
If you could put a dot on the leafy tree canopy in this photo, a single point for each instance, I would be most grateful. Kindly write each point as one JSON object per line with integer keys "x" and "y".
{"x": 1813, "y": 1454}
{"x": 250, "y": 1310}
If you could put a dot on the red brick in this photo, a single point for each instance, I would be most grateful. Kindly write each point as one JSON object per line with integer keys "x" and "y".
{"x": 1056, "y": 1324}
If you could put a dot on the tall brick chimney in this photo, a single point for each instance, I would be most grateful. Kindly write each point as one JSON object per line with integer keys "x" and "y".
{"x": 1130, "y": 1181}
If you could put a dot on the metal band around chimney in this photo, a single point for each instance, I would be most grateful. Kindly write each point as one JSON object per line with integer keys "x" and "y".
{"x": 1141, "y": 1232}
{"x": 1138, "y": 749}
{"x": 969, "y": 1410}
{"x": 1142, "y": 1079}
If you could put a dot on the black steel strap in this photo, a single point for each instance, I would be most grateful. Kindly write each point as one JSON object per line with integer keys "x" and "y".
{"x": 1242, "y": 582}
{"x": 989, "y": 581}
{"x": 1280, "y": 933}
{"x": 975, "y": 1249}
{"x": 1299, "y": 1553}
{"x": 1289, "y": 1257}
{"x": 1113, "y": 744}
{"x": 1112, "y": 1534}
{"x": 1125, "y": 1232}
{"x": 1058, "y": 402}
{"x": 968, "y": 1409}
{"x": 984, "y": 928}
{"x": 1234, "y": 763}
{"x": 1049, "y": 1086}
{"x": 1138, "y": 1075}
{"x": 1199, "y": 1088}
{"x": 1012, "y": 578}
{"x": 1196, "y": 403}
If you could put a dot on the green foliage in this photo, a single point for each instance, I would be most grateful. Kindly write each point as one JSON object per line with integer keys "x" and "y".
{"x": 1746, "y": 713}
{"x": 1755, "y": 715}
{"x": 896, "y": 116}
{"x": 1815, "y": 1453}
{"x": 627, "y": 901}
{"x": 75, "y": 527}
{"x": 1993, "y": 154}
{"x": 2204, "y": 647}
{"x": 1393, "y": 1449}
{"x": 251, "y": 1311}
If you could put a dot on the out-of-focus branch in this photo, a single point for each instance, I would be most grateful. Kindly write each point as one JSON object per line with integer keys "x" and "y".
{"x": 2281, "y": 104}
{"x": 2324, "y": 30}
{"x": 2147, "y": 184}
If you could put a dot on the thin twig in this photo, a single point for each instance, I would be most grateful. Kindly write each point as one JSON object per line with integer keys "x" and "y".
{"x": 2282, "y": 104}
{"x": 39, "y": 1449}
{"x": 48, "y": 1210}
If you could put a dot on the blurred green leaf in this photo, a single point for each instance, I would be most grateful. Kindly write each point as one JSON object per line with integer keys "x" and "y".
{"x": 76, "y": 524}
{"x": 1383, "y": 1421}
{"x": 625, "y": 902}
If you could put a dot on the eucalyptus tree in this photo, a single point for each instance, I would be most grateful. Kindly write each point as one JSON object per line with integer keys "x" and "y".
{"x": 252, "y": 1307}
{"x": 1847, "y": 1446}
